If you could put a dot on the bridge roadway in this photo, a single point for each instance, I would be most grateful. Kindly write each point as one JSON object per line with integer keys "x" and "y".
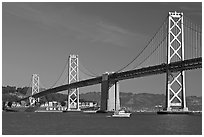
{"x": 142, "y": 72}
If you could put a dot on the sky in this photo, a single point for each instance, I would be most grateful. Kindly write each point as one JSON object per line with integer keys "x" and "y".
{"x": 37, "y": 38}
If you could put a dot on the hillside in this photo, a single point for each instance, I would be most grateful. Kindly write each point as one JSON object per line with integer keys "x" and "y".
{"x": 144, "y": 101}
{"x": 131, "y": 101}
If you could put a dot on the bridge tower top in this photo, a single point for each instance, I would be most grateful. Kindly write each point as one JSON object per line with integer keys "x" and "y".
{"x": 175, "y": 37}
{"x": 176, "y": 14}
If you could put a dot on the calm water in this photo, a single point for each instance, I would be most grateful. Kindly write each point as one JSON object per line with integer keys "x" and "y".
{"x": 78, "y": 123}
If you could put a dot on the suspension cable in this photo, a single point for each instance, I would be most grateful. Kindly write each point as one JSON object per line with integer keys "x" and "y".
{"x": 86, "y": 73}
{"x": 65, "y": 79}
{"x": 151, "y": 53}
{"x": 29, "y": 87}
{"x": 190, "y": 27}
{"x": 59, "y": 75}
{"x": 143, "y": 48}
{"x": 91, "y": 73}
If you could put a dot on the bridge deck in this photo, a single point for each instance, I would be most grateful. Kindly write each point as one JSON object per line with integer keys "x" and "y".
{"x": 142, "y": 72}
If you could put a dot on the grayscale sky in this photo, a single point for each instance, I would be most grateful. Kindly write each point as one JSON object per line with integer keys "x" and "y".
{"x": 38, "y": 37}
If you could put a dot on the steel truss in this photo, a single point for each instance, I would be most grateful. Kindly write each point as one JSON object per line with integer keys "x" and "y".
{"x": 73, "y": 76}
{"x": 35, "y": 89}
{"x": 175, "y": 82}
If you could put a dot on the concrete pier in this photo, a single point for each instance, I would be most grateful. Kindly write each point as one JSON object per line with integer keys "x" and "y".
{"x": 109, "y": 94}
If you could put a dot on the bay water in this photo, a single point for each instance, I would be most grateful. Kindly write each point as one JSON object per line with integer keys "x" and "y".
{"x": 79, "y": 123}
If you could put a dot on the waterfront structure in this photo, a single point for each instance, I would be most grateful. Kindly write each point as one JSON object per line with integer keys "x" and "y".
{"x": 54, "y": 105}
{"x": 87, "y": 104}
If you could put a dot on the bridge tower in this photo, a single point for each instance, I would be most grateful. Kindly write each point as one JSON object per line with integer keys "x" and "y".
{"x": 35, "y": 89}
{"x": 175, "y": 82}
{"x": 109, "y": 94}
{"x": 73, "y": 76}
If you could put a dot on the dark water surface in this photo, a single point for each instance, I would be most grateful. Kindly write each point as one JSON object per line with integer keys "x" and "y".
{"x": 78, "y": 123}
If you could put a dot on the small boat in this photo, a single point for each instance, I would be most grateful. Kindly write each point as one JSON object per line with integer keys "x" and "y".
{"x": 90, "y": 111}
{"x": 121, "y": 113}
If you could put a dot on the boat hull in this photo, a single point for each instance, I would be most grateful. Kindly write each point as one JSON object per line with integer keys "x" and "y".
{"x": 123, "y": 115}
{"x": 90, "y": 111}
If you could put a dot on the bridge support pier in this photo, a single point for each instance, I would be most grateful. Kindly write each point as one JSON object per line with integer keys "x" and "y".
{"x": 35, "y": 89}
{"x": 109, "y": 94}
{"x": 175, "y": 82}
{"x": 73, "y": 76}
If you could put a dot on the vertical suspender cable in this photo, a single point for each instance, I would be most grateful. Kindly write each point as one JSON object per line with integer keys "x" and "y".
{"x": 200, "y": 42}
{"x": 195, "y": 42}
{"x": 192, "y": 50}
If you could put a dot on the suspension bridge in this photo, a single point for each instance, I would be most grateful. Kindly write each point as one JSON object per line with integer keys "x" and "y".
{"x": 175, "y": 48}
